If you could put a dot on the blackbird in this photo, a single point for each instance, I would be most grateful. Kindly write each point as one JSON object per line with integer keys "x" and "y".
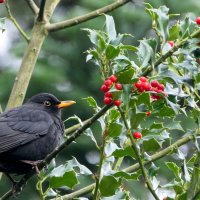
{"x": 30, "y": 132}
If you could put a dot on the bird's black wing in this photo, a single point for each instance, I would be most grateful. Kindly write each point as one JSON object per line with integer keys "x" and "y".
{"x": 20, "y": 126}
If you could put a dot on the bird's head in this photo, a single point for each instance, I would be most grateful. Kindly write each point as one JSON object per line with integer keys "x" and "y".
{"x": 48, "y": 102}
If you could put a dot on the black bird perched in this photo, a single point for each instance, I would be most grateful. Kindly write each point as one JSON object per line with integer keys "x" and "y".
{"x": 30, "y": 132}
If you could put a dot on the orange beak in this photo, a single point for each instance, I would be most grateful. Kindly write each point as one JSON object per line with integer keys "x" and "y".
{"x": 64, "y": 104}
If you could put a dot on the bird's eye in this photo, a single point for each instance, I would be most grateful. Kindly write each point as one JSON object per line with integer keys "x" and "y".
{"x": 47, "y": 103}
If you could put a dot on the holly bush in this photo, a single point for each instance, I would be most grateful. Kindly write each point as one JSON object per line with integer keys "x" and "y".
{"x": 151, "y": 97}
{"x": 152, "y": 93}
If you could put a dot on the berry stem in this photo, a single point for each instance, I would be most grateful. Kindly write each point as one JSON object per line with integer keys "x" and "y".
{"x": 138, "y": 156}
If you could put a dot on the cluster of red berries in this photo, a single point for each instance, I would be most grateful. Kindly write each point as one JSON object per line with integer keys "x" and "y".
{"x": 143, "y": 85}
{"x": 2, "y": 1}
{"x": 137, "y": 135}
{"x": 108, "y": 96}
{"x": 198, "y": 20}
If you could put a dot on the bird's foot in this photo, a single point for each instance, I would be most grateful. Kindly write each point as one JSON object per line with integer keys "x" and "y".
{"x": 33, "y": 163}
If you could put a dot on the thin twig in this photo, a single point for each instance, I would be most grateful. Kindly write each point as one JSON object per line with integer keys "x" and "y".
{"x": 70, "y": 130}
{"x": 80, "y": 19}
{"x": 170, "y": 52}
{"x": 52, "y": 155}
{"x": 193, "y": 189}
{"x": 98, "y": 175}
{"x": 41, "y": 11}
{"x": 135, "y": 167}
{"x": 138, "y": 156}
{"x": 33, "y": 6}
{"x": 10, "y": 16}
{"x": 77, "y": 193}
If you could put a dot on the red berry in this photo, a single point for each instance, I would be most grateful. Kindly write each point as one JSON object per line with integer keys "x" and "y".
{"x": 198, "y": 20}
{"x": 108, "y": 83}
{"x": 146, "y": 86}
{"x": 155, "y": 97}
{"x": 104, "y": 88}
{"x": 138, "y": 84}
{"x": 154, "y": 89}
{"x": 107, "y": 100}
{"x": 141, "y": 89}
{"x": 108, "y": 94}
{"x": 148, "y": 113}
{"x": 171, "y": 43}
{"x": 118, "y": 86}
{"x": 2, "y": 1}
{"x": 113, "y": 78}
{"x": 165, "y": 198}
{"x": 161, "y": 87}
{"x": 154, "y": 83}
{"x": 137, "y": 135}
{"x": 143, "y": 79}
{"x": 117, "y": 102}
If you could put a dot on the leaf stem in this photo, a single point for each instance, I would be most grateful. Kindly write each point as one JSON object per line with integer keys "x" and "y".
{"x": 138, "y": 156}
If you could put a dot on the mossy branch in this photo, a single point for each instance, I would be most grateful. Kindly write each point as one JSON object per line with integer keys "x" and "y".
{"x": 86, "y": 17}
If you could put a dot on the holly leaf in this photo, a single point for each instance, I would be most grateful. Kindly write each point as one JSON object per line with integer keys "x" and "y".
{"x": 174, "y": 168}
{"x": 110, "y": 148}
{"x": 114, "y": 129}
{"x": 63, "y": 178}
{"x": 110, "y": 27}
{"x": 112, "y": 52}
{"x": 125, "y": 76}
{"x": 91, "y": 101}
{"x": 109, "y": 185}
{"x": 126, "y": 151}
{"x": 151, "y": 145}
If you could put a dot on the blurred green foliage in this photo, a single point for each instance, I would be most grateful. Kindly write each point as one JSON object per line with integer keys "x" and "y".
{"x": 62, "y": 69}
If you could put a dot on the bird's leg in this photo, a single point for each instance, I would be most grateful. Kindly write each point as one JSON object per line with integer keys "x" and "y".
{"x": 33, "y": 163}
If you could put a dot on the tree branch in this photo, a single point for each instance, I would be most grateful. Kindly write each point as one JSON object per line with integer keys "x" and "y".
{"x": 52, "y": 155}
{"x": 80, "y": 19}
{"x": 30, "y": 57}
{"x": 33, "y": 6}
{"x": 41, "y": 11}
{"x": 136, "y": 166}
{"x": 170, "y": 52}
{"x": 10, "y": 16}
